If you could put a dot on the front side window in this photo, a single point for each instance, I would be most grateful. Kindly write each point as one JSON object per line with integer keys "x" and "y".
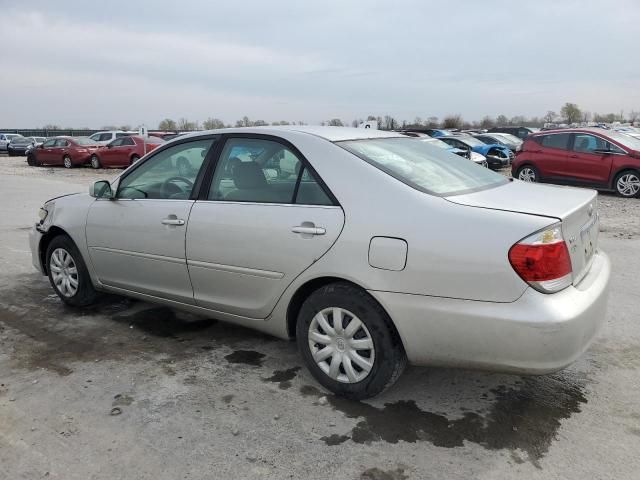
{"x": 588, "y": 143}
{"x": 49, "y": 143}
{"x": 424, "y": 167}
{"x": 263, "y": 171}
{"x": 116, "y": 143}
{"x": 105, "y": 137}
{"x": 127, "y": 141}
{"x": 169, "y": 174}
{"x": 61, "y": 142}
{"x": 557, "y": 140}
{"x": 95, "y": 137}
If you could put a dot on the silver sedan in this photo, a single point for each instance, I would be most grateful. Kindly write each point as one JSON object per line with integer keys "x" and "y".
{"x": 370, "y": 248}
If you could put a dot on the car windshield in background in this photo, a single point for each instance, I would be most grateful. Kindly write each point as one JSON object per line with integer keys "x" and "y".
{"x": 625, "y": 139}
{"x": 471, "y": 141}
{"x": 436, "y": 143}
{"x": 424, "y": 167}
{"x": 511, "y": 138}
{"x": 21, "y": 140}
{"x": 85, "y": 141}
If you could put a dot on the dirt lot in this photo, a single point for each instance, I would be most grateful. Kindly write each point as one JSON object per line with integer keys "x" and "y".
{"x": 195, "y": 398}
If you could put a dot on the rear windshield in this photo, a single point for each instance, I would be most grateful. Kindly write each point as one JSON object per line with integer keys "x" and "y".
{"x": 424, "y": 167}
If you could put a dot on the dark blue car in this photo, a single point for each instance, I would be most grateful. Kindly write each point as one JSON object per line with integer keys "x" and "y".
{"x": 498, "y": 156}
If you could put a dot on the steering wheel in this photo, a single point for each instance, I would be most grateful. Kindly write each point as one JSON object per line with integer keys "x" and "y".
{"x": 169, "y": 188}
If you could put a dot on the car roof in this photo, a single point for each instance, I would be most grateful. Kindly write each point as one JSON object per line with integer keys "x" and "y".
{"x": 596, "y": 130}
{"x": 332, "y": 134}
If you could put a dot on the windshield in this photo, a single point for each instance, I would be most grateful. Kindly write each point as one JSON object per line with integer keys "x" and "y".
{"x": 21, "y": 140}
{"x": 11, "y": 136}
{"x": 85, "y": 141}
{"x": 471, "y": 141}
{"x": 508, "y": 138}
{"x": 436, "y": 143}
{"x": 424, "y": 167}
{"x": 625, "y": 139}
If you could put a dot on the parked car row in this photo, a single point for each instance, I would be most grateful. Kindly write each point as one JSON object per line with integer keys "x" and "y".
{"x": 75, "y": 151}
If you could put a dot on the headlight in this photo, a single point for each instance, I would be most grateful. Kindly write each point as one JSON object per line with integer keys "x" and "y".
{"x": 43, "y": 214}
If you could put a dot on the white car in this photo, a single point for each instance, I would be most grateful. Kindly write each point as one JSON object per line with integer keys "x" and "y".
{"x": 372, "y": 249}
{"x": 5, "y": 139}
{"x": 107, "y": 136}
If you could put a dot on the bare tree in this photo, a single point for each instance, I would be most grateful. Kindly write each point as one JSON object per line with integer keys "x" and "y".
{"x": 571, "y": 112}
{"x": 212, "y": 124}
{"x": 452, "y": 121}
{"x": 432, "y": 122}
{"x": 550, "y": 116}
{"x": 167, "y": 125}
{"x": 335, "y": 122}
{"x": 487, "y": 122}
{"x": 186, "y": 125}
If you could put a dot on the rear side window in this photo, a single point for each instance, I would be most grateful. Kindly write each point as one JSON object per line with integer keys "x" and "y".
{"x": 558, "y": 140}
{"x": 424, "y": 167}
{"x": 264, "y": 171}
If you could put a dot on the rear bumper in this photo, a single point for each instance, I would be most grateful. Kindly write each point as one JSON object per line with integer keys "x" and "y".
{"x": 536, "y": 334}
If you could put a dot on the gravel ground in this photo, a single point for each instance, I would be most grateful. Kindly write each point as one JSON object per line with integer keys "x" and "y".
{"x": 130, "y": 390}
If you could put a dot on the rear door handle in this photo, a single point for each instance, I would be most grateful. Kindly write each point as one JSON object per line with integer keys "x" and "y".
{"x": 309, "y": 230}
{"x": 172, "y": 221}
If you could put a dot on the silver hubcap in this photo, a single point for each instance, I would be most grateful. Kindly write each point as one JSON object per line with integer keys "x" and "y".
{"x": 94, "y": 162}
{"x": 64, "y": 272}
{"x": 527, "y": 175}
{"x": 341, "y": 345}
{"x": 628, "y": 185}
{"x": 67, "y": 162}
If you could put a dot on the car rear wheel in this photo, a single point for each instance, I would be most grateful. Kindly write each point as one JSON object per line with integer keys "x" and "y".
{"x": 95, "y": 161}
{"x": 628, "y": 183}
{"x": 68, "y": 273}
{"x": 66, "y": 161}
{"x": 348, "y": 342}
{"x": 528, "y": 174}
{"x": 134, "y": 159}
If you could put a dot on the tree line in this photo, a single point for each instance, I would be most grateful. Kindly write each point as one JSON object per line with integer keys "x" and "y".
{"x": 570, "y": 113}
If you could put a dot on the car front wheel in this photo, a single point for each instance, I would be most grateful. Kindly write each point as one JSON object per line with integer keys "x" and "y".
{"x": 628, "y": 184}
{"x": 528, "y": 174}
{"x": 348, "y": 342}
{"x": 68, "y": 273}
{"x": 66, "y": 161}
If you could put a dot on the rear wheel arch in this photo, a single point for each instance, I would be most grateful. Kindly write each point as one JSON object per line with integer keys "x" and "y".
{"x": 304, "y": 291}
{"x": 621, "y": 170}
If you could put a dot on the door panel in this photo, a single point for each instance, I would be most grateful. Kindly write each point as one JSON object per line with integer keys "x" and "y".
{"x": 131, "y": 248}
{"x": 584, "y": 164}
{"x": 551, "y": 158}
{"x": 242, "y": 256}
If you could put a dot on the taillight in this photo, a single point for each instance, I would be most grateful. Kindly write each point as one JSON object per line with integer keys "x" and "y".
{"x": 542, "y": 260}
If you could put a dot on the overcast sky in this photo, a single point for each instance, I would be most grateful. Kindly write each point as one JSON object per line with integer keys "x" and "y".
{"x": 90, "y": 64}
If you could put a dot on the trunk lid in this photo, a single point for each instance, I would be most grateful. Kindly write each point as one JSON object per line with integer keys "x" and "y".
{"x": 576, "y": 208}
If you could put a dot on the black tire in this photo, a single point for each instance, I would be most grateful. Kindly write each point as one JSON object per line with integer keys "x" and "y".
{"x": 85, "y": 294}
{"x": 66, "y": 162}
{"x": 134, "y": 159}
{"x": 631, "y": 175}
{"x": 31, "y": 160}
{"x": 389, "y": 359}
{"x": 95, "y": 162}
{"x": 531, "y": 170}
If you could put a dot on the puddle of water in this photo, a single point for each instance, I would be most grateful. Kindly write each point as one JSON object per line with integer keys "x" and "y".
{"x": 283, "y": 377}
{"x": 246, "y": 357}
{"x": 523, "y": 418}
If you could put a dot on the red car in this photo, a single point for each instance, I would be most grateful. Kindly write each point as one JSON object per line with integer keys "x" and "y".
{"x": 592, "y": 157}
{"x": 123, "y": 151}
{"x": 67, "y": 151}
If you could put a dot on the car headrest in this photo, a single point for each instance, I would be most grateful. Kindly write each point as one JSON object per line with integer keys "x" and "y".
{"x": 248, "y": 175}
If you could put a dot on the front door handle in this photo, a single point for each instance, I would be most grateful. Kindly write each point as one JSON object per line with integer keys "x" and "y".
{"x": 172, "y": 221}
{"x": 309, "y": 230}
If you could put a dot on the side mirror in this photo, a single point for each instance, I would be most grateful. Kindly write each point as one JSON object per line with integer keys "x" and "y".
{"x": 109, "y": 145}
{"x": 41, "y": 145}
{"x": 101, "y": 189}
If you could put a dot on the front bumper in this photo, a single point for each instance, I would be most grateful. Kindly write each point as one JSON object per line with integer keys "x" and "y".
{"x": 536, "y": 334}
{"x": 34, "y": 242}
